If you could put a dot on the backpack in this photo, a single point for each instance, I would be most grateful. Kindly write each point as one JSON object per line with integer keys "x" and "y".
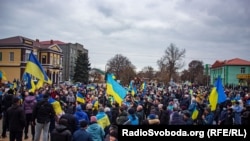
{"x": 44, "y": 112}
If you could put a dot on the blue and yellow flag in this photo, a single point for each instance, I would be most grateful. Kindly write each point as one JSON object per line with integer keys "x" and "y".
{"x": 95, "y": 104}
{"x": 80, "y": 98}
{"x": 115, "y": 89}
{"x": 143, "y": 88}
{"x": 217, "y": 94}
{"x": 34, "y": 68}
{"x": 132, "y": 88}
{"x": 103, "y": 120}
{"x": 39, "y": 84}
{"x": 3, "y": 75}
{"x": 195, "y": 114}
{"x": 56, "y": 106}
{"x": 91, "y": 86}
{"x": 30, "y": 85}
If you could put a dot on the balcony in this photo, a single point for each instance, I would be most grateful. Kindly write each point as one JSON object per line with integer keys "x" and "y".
{"x": 57, "y": 66}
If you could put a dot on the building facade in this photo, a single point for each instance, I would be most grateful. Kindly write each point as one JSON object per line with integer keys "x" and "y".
{"x": 14, "y": 54}
{"x": 70, "y": 53}
{"x": 233, "y": 72}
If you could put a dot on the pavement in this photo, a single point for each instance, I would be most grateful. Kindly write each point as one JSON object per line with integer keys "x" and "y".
{"x": 7, "y": 138}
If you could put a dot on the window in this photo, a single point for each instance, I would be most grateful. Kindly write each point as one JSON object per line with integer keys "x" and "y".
{"x": 44, "y": 60}
{"x": 1, "y": 56}
{"x": 11, "y": 56}
{"x": 242, "y": 70}
{"x": 27, "y": 56}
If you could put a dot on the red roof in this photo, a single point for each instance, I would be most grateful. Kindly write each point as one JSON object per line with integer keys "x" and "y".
{"x": 231, "y": 62}
{"x": 238, "y": 61}
{"x": 52, "y": 42}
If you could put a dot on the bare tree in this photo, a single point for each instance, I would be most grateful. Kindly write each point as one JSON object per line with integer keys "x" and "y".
{"x": 185, "y": 76}
{"x": 196, "y": 70}
{"x": 147, "y": 72}
{"x": 121, "y": 67}
{"x": 171, "y": 61}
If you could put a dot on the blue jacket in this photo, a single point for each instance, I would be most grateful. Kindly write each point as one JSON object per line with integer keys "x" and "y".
{"x": 81, "y": 135}
{"x": 96, "y": 131}
{"x": 81, "y": 115}
{"x": 133, "y": 121}
{"x": 209, "y": 119}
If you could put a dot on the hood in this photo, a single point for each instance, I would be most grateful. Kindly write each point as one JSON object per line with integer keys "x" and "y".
{"x": 93, "y": 127}
{"x": 29, "y": 99}
{"x": 61, "y": 128}
{"x": 79, "y": 114}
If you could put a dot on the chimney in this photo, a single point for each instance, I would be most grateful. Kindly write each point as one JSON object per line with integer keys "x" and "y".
{"x": 37, "y": 40}
{"x": 51, "y": 42}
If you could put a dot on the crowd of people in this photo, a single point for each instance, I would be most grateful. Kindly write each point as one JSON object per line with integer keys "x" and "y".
{"x": 96, "y": 116}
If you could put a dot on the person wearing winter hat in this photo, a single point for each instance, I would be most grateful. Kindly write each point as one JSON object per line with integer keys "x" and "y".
{"x": 95, "y": 129}
{"x": 151, "y": 120}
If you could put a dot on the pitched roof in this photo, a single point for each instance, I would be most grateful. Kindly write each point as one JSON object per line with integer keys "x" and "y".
{"x": 231, "y": 62}
{"x": 217, "y": 64}
{"x": 17, "y": 40}
{"x": 14, "y": 40}
{"x": 52, "y": 42}
{"x": 237, "y": 61}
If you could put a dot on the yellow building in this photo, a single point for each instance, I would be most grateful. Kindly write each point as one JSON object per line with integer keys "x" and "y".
{"x": 14, "y": 53}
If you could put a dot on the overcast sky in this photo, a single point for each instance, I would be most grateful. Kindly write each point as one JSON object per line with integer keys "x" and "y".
{"x": 141, "y": 30}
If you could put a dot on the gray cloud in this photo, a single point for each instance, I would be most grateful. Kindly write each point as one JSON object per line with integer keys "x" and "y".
{"x": 140, "y": 30}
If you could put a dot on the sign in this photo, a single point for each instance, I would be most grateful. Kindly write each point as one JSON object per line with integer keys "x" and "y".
{"x": 243, "y": 76}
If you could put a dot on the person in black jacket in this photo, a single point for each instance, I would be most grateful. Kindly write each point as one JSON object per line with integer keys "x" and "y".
{"x": 61, "y": 132}
{"x": 43, "y": 112}
{"x": 16, "y": 120}
{"x": 6, "y": 103}
{"x": 72, "y": 121}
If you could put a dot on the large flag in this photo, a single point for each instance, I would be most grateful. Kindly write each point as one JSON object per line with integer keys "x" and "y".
{"x": 132, "y": 88}
{"x": 217, "y": 94}
{"x": 39, "y": 84}
{"x": 30, "y": 85}
{"x": 2, "y": 75}
{"x": 34, "y": 68}
{"x": 115, "y": 89}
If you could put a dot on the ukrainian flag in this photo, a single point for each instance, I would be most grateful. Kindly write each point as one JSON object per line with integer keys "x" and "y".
{"x": 2, "y": 75}
{"x": 217, "y": 94}
{"x": 91, "y": 86}
{"x": 39, "y": 84}
{"x": 34, "y": 68}
{"x": 30, "y": 83}
{"x": 56, "y": 106}
{"x": 143, "y": 88}
{"x": 195, "y": 114}
{"x": 102, "y": 120}
{"x": 132, "y": 88}
{"x": 80, "y": 98}
{"x": 95, "y": 104}
{"x": 115, "y": 89}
